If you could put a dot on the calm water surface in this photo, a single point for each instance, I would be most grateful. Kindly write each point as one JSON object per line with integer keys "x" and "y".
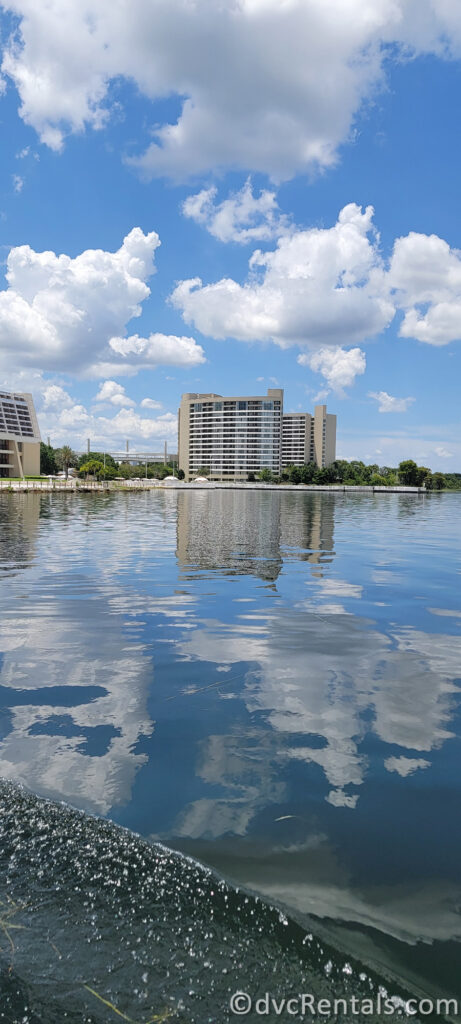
{"x": 266, "y": 681}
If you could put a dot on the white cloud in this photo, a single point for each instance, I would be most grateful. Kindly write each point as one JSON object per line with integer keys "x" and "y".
{"x": 243, "y": 217}
{"x": 55, "y": 397}
{"x": 69, "y": 314}
{"x": 158, "y": 349}
{"x": 339, "y": 366}
{"x": 114, "y": 393}
{"x": 442, "y": 452}
{"x": 338, "y": 798}
{"x": 326, "y": 288}
{"x": 73, "y": 425}
{"x": 320, "y": 396}
{"x": 264, "y": 85}
{"x": 387, "y": 403}
{"x": 320, "y": 287}
{"x": 67, "y": 421}
{"x": 150, "y": 403}
{"x": 426, "y": 275}
{"x": 18, "y": 182}
{"x": 405, "y": 766}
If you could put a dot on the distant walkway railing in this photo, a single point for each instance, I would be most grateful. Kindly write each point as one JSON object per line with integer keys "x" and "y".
{"x": 73, "y": 486}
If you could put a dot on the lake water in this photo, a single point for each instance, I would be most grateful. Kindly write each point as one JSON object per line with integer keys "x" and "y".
{"x": 266, "y": 682}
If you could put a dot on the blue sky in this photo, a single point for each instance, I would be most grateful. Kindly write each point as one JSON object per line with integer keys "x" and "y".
{"x": 286, "y": 180}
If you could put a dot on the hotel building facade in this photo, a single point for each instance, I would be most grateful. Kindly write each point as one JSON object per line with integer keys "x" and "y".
{"x": 19, "y": 436}
{"x": 307, "y": 438}
{"x": 232, "y": 437}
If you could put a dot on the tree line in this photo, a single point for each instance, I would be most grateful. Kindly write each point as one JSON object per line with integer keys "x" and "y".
{"x": 356, "y": 473}
{"x": 353, "y": 473}
{"x": 98, "y": 465}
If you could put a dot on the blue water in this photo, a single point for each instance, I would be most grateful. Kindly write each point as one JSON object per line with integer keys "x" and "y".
{"x": 266, "y": 681}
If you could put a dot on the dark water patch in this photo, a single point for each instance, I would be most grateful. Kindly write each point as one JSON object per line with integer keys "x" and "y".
{"x": 98, "y": 923}
{"x": 62, "y": 696}
{"x": 95, "y": 739}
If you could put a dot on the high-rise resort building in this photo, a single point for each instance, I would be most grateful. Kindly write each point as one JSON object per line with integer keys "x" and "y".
{"x": 307, "y": 438}
{"x": 233, "y": 437}
{"x": 19, "y": 436}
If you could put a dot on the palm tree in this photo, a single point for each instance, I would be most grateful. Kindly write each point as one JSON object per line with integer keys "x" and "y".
{"x": 66, "y": 458}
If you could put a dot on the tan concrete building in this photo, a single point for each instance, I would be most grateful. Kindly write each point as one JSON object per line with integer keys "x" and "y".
{"x": 233, "y": 437}
{"x": 307, "y": 438}
{"x": 19, "y": 435}
{"x": 230, "y": 437}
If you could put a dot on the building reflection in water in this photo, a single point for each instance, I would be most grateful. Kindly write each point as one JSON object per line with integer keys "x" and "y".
{"x": 230, "y": 532}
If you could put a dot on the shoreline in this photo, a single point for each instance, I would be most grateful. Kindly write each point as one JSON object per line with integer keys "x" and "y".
{"x": 83, "y": 487}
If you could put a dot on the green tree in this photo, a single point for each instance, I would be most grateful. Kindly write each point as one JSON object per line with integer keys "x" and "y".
{"x": 389, "y": 475}
{"x": 48, "y": 462}
{"x": 326, "y": 475}
{"x": 295, "y": 475}
{"x": 98, "y": 457}
{"x": 453, "y": 481}
{"x": 160, "y": 469}
{"x": 265, "y": 475}
{"x": 181, "y": 474}
{"x": 203, "y": 471}
{"x": 307, "y": 472}
{"x": 65, "y": 458}
{"x": 438, "y": 481}
{"x": 423, "y": 474}
{"x": 92, "y": 468}
{"x": 369, "y": 472}
{"x": 408, "y": 473}
{"x": 341, "y": 468}
{"x": 412, "y": 475}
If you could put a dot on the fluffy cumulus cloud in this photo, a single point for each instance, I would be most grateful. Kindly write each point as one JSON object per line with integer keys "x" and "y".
{"x": 64, "y": 418}
{"x": 243, "y": 217}
{"x": 54, "y": 396}
{"x": 339, "y": 366}
{"x": 319, "y": 287}
{"x": 114, "y": 394}
{"x": 156, "y": 350}
{"x": 150, "y": 403}
{"x": 263, "y": 85}
{"x": 388, "y": 403}
{"x": 69, "y": 314}
{"x": 327, "y": 290}
{"x": 426, "y": 276}
{"x": 75, "y": 424}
